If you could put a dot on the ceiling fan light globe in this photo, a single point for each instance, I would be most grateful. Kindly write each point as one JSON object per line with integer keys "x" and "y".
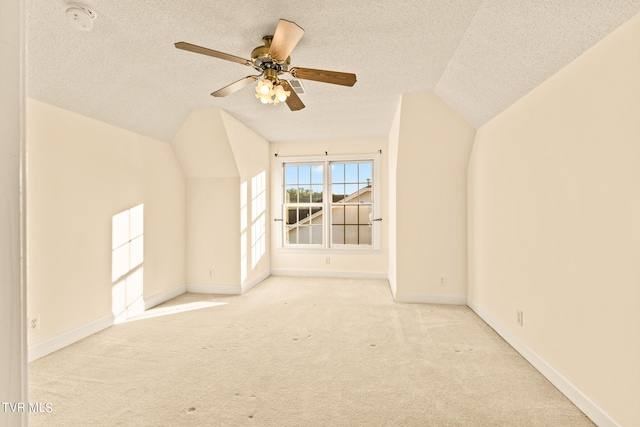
{"x": 264, "y": 87}
{"x": 280, "y": 94}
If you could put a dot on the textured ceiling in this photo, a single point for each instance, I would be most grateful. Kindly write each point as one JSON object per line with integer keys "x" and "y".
{"x": 480, "y": 56}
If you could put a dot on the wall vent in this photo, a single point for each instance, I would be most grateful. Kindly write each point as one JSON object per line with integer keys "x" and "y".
{"x": 297, "y": 87}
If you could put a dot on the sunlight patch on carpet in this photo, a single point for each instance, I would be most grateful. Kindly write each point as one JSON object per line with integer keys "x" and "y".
{"x": 174, "y": 309}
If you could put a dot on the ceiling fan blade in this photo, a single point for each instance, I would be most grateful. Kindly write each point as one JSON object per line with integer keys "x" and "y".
{"x": 229, "y": 89}
{"x": 293, "y": 101}
{"x": 286, "y": 37}
{"x": 334, "y": 77}
{"x": 204, "y": 51}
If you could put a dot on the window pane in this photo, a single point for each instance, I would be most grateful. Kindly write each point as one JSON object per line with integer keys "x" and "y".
{"x": 351, "y": 215}
{"x": 350, "y": 234}
{"x": 292, "y": 215}
{"x": 316, "y": 216}
{"x": 303, "y": 215}
{"x": 364, "y": 215}
{"x": 316, "y": 174}
{"x": 304, "y": 194}
{"x": 316, "y": 234}
{"x": 352, "y": 193}
{"x": 337, "y": 173}
{"x": 290, "y": 174}
{"x": 337, "y": 234}
{"x": 351, "y": 172}
{"x": 291, "y": 195}
{"x": 304, "y": 235}
{"x": 304, "y": 174}
{"x": 292, "y": 235}
{"x": 338, "y": 192}
{"x": 316, "y": 193}
{"x": 365, "y": 193}
{"x": 337, "y": 215}
{"x": 365, "y": 173}
{"x": 365, "y": 235}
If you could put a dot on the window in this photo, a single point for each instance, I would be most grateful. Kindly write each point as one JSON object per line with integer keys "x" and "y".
{"x": 303, "y": 206}
{"x": 329, "y": 202}
{"x": 351, "y": 203}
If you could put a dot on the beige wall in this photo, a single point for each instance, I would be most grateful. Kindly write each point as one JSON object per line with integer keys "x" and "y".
{"x": 394, "y": 135}
{"x": 219, "y": 155}
{"x": 343, "y": 262}
{"x": 555, "y": 194}
{"x": 213, "y": 182}
{"x": 251, "y": 154}
{"x": 80, "y": 173}
{"x": 433, "y": 148}
{"x": 13, "y": 354}
{"x": 213, "y": 237}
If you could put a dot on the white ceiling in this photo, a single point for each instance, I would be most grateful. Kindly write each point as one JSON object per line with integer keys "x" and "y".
{"x": 480, "y": 56}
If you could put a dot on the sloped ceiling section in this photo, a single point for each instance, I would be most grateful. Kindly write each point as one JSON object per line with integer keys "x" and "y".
{"x": 513, "y": 46}
{"x": 478, "y": 55}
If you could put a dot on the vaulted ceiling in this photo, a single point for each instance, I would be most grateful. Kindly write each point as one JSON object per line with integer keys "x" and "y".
{"x": 479, "y": 56}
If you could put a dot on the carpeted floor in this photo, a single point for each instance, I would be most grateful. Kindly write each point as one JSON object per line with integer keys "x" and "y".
{"x": 297, "y": 352}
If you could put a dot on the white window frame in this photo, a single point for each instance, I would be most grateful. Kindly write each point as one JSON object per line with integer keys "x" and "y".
{"x": 326, "y": 245}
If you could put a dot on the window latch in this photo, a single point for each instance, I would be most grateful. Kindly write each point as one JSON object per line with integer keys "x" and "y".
{"x": 377, "y": 219}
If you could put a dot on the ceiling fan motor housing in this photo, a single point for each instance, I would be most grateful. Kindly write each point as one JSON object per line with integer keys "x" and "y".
{"x": 271, "y": 74}
{"x": 261, "y": 58}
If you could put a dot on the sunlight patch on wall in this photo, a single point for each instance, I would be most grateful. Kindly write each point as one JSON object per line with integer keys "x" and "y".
{"x": 244, "y": 215}
{"x": 258, "y": 208}
{"x": 127, "y": 257}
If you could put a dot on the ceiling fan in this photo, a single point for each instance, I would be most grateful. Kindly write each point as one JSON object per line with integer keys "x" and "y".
{"x": 272, "y": 60}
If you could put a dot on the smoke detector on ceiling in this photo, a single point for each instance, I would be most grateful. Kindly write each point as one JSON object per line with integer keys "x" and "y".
{"x": 80, "y": 16}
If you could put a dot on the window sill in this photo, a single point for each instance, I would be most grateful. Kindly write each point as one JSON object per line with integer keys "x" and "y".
{"x": 354, "y": 251}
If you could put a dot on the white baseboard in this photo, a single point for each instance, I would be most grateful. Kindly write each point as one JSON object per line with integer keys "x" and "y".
{"x": 328, "y": 273}
{"x": 575, "y": 395}
{"x": 42, "y": 348}
{"x": 423, "y": 298}
{"x": 392, "y": 286}
{"x": 214, "y": 289}
{"x": 226, "y": 289}
{"x": 248, "y": 285}
{"x": 158, "y": 299}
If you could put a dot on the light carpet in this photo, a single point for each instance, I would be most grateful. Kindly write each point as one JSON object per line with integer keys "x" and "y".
{"x": 297, "y": 352}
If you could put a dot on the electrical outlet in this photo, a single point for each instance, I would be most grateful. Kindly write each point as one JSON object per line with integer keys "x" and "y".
{"x": 520, "y": 317}
{"x": 34, "y": 323}
{"x": 327, "y": 260}
{"x": 211, "y": 273}
{"x": 443, "y": 281}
